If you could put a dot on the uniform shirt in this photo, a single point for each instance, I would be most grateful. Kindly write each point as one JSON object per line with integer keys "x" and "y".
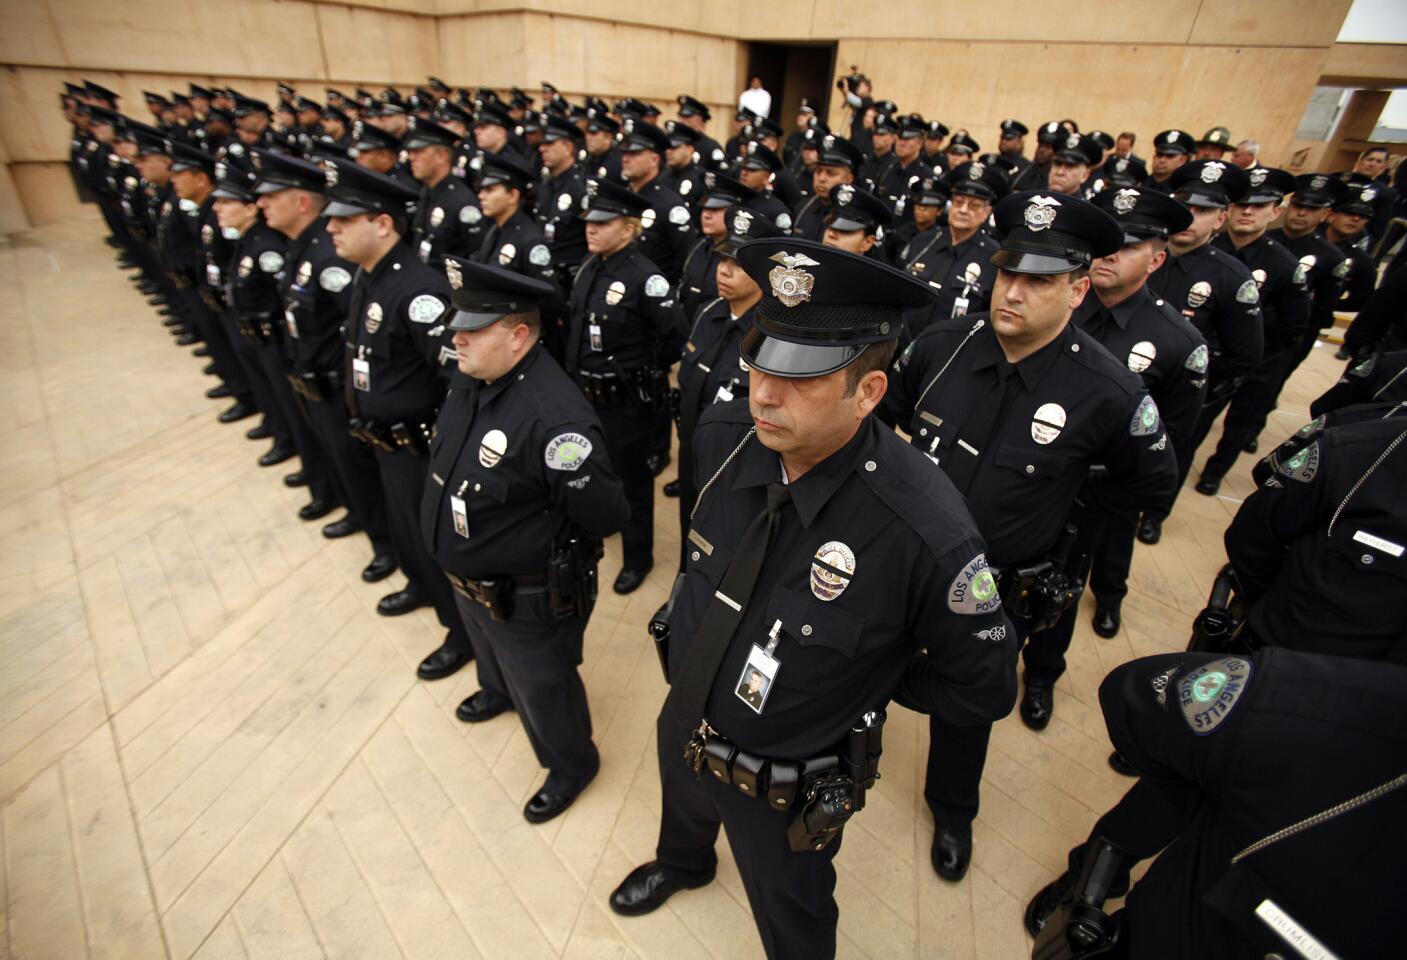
{"x": 316, "y": 287}
{"x": 1035, "y": 176}
{"x": 894, "y": 185}
{"x": 1162, "y": 347}
{"x": 1280, "y": 282}
{"x": 958, "y": 272}
{"x": 1381, "y": 378}
{"x": 1384, "y": 198}
{"x": 1151, "y": 182}
{"x": 687, "y": 181}
{"x": 447, "y": 221}
{"x": 216, "y": 251}
{"x": 559, "y": 211}
{"x": 623, "y": 315}
{"x": 698, "y": 280}
{"x": 1217, "y": 293}
{"x": 711, "y": 155}
{"x": 252, "y": 275}
{"x": 1325, "y": 267}
{"x": 1067, "y": 406}
{"x": 1321, "y": 554}
{"x": 879, "y": 510}
{"x": 396, "y": 326}
{"x": 1362, "y": 275}
{"x": 809, "y": 221}
{"x": 791, "y": 150}
{"x": 178, "y": 231}
{"x": 79, "y": 150}
{"x": 602, "y": 166}
{"x": 786, "y": 190}
{"x": 526, "y": 455}
{"x": 771, "y": 206}
{"x": 877, "y": 169}
{"x": 668, "y": 229}
{"x": 711, "y": 365}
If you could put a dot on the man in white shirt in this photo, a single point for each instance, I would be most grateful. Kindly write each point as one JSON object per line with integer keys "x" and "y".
{"x": 756, "y": 99}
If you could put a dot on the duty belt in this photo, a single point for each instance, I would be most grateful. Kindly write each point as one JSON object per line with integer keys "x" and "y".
{"x": 648, "y": 386}
{"x": 478, "y": 590}
{"x": 317, "y": 386}
{"x": 412, "y": 437}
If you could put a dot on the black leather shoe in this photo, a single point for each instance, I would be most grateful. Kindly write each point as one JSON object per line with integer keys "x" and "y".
{"x": 316, "y": 510}
{"x": 186, "y": 339}
{"x": 338, "y": 529}
{"x": 1121, "y": 766}
{"x": 1208, "y": 485}
{"x": 379, "y": 568}
{"x": 171, "y": 320}
{"x": 1107, "y": 621}
{"x": 218, "y": 392}
{"x": 952, "y": 853}
{"x": 671, "y": 489}
{"x": 1342, "y": 353}
{"x": 443, "y": 662}
{"x": 1252, "y": 445}
{"x": 296, "y": 479}
{"x": 1045, "y": 903}
{"x": 1037, "y": 703}
{"x": 276, "y": 456}
{"x": 201, "y": 351}
{"x": 261, "y": 432}
{"x": 628, "y": 580}
{"x": 647, "y": 887}
{"x": 209, "y": 370}
{"x": 657, "y": 462}
{"x": 398, "y": 603}
{"x": 547, "y": 804}
{"x": 1150, "y": 530}
{"x": 238, "y": 412}
{"x": 479, "y": 706}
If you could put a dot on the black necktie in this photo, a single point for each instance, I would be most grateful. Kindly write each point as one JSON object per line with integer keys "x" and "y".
{"x": 487, "y": 246}
{"x": 725, "y": 611}
{"x": 978, "y": 433}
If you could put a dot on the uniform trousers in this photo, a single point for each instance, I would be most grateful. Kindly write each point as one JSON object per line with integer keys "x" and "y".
{"x": 206, "y": 325}
{"x": 956, "y": 756}
{"x": 1249, "y": 408}
{"x": 792, "y": 895}
{"x": 354, "y": 472}
{"x": 1185, "y": 448}
{"x": 403, "y": 479}
{"x": 530, "y": 661}
{"x": 314, "y": 463}
{"x": 247, "y": 355}
{"x": 1299, "y": 352}
{"x": 630, "y": 428}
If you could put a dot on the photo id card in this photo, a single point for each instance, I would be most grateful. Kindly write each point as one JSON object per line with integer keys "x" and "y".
{"x": 596, "y": 342}
{"x": 755, "y": 683}
{"x": 724, "y": 394}
{"x": 461, "y": 515}
{"x": 361, "y": 374}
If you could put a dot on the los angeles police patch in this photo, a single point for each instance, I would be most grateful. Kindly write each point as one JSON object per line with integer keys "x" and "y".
{"x": 1303, "y": 465}
{"x": 470, "y": 214}
{"x": 831, "y": 570}
{"x": 334, "y": 279}
{"x": 1145, "y": 420}
{"x": 567, "y": 451}
{"x": 974, "y": 590}
{"x": 1248, "y": 292}
{"x": 1198, "y": 358}
{"x": 426, "y": 308}
{"x": 271, "y": 261}
{"x": 1208, "y": 694}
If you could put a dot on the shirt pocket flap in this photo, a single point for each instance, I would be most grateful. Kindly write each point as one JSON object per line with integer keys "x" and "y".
{"x": 812, "y": 622}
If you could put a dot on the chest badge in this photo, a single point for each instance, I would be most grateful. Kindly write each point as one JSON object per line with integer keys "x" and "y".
{"x": 437, "y": 216}
{"x": 1200, "y": 292}
{"x": 1047, "y": 423}
{"x": 305, "y": 273}
{"x": 506, "y": 253}
{"x": 373, "y": 318}
{"x": 207, "y": 234}
{"x": 1142, "y": 355}
{"x": 647, "y": 218}
{"x": 492, "y": 448}
{"x": 246, "y": 267}
{"x": 564, "y": 202}
{"x": 831, "y": 570}
{"x": 615, "y": 292}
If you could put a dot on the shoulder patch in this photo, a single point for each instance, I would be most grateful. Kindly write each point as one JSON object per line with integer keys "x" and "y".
{"x": 1313, "y": 427}
{"x": 1303, "y": 465}
{"x": 271, "y": 261}
{"x": 566, "y": 451}
{"x": 783, "y": 221}
{"x": 973, "y": 591}
{"x": 1342, "y": 269}
{"x": 1145, "y": 420}
{"x": 539, "y": 255}
{"x": 1248, "y": 293}
{"x": 426, "y": 308}
{"x": 1208, "y": 694}
{"x": 334, "y": 279}
{"x": 470, "y": 214}
{"x": 656, "y": 286}
{"x": 1198, "y": 359}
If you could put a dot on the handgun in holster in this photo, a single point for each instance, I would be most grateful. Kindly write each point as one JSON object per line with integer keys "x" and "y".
{"x": 1079, "y": 928}
{"x": 496, "y": 596}
{"x": 1042, "y": 591}
{"x": 833, "y": 788}
{"x": 571, "y": 578}
{"x": 1217, "y": 629}
{"x": 659, "y": 626}
{"x": 410, "y": 437}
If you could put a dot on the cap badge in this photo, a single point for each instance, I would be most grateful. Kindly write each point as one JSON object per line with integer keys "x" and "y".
{"x": 221, "y": 171}
{"x": 828, "y": 141}
{"x": 1258, "y": 176}
{"x": 1072, "y": 141}
{"x": 1368, "y": 194}
{"x": 1125, "y": 200}
{"x": 331, "y": 170}
{"x": 790, "y": 285}
{"x": 1172, "y": 136}
{"x": 742, "y": 222}
{"x": 1318, "y": 182}
{"x": 975, "y": 171}
{"x": 1040, "y": 213}
{"x": 456, "y": 279}
{"x": 1212, "y": 172}
{"x": 844, "y": 194}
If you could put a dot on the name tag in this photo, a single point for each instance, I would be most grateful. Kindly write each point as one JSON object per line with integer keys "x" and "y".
{"x": 1378, "y": 543}
{"x": 460, "y": 512}
{"x": 724, "y": 394}
{"x": 361, "y": 374}
{"x": 1295, "y": 935}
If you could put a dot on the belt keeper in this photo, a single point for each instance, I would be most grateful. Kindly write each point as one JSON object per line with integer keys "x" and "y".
{"x": 747, "y": 773}
{"x": 781, "y": 787}
{"x": 719, "y": 754}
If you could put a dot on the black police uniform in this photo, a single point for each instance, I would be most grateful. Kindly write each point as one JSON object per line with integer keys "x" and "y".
{"x": 1325, "y": 268}
{"x": 1320, "y": 548}
{"x": 1381, "y": 378}
{"x": 447, "y": 221}
{"x": 1362, "y": 275}
{"x": 519, "y": 480}
{"x": 1234, "y": 751}
{"x": 809, "y": 220}
{"x": 668, "y": 229}
{"x": 871, "y": 557}
{"x": 558, "y": 206}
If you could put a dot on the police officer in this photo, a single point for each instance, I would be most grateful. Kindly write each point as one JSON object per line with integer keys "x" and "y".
{"x": 314, "y": 290}
{"x": 934, "y": 133}
{"x": 668, "y": 225}
{"x": 881, "y": 158}
{"x": 602, "y": 160}
{"x": 761, "y": 170}
{"x": 1172, "y": 149}
{"x": 781, "y": 182}
{"x": 1284, "y": 305}
{"x": 1070, "y": 165}
{"x": 624, "y": 330}
{"x": 837, "y": 162}
{"x": 957, "y": 260}
{"x": 925, "y": 205}
{"x": 379, "y": 150}
{"x": 1156, "y": 342}
{"x": 396, "y": 357}
{"x": 1033, "y": 176}
{"x": 1345, "y": 229}
{"x": 1213, "y": 145}
{"x": 447, "y": 215}
{"x": 518, "y": 495}
{"x": 791, "y": 150}
{"x": 1012, "y": 143}
{"x": 1016, "y": 406}
{"x": 1259, "y": 773}
{"x": 693, "y": 113}
{"x": 558, "y": 204}
{"x": 698, "y": 279}
{"x": 908, "y": 167}
{"x": 961, "y": 148}
{"x": 515, "y": 240}
{"x": 857, "y": 221}
{"x": 824, "y": 556}
{"x": 682, "y": 172}
{"x": 1215, "y": 291}
{"x": 1382, "y": 378}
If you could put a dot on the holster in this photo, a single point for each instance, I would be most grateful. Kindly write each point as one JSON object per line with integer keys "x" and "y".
{"x": 1219, "y": 627}
{"x": 371, "y": 434}
{"x": 571, "y": 578}
{"x": 659, "y": 626}
{"x": 1041, "y": 591}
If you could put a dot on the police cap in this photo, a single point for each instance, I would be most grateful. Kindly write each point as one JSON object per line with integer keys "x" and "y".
{"x": 767, "y": 128}
{"x": 638, "y": 136}
{"x": 1051, "y": 132}
{"x": 935, "y": 130}
{"x": 244, "y": 106}
{"x": 599, "y": 121}
{"x": 330, "y": 112}
{"x": 1124, "y": 171}
{"x": 689, "y": 107}
{"x": 150, "y": 141}
{"x": 1042, "y": 234}
{"x": 449, "y": 111}
{"x": 156, "y": 99}
{"x": 1316, "y": 190}
{"x": 497, "y": 168}
{"x": 305, "y": 105}
{"x": 105, "y": 116}
{"x": 196, "y": 90}
{"x": 1011, "y": 129}
{"x": 742, "y": 225}
{"x": 855, "y": 208}
{"x": 839, "y": 152}
{"x": 559, "y": 128}
{"x": 721, "y": 190}
{"x": 235, "y": 180}
{"x": 354, "y": 189}
{"x": 1174, "y": 143}
{"x": 368, "y": 137}
{"x": 929, "y": 192}
{"x": 422, "y": 133}
{"x": 186, "y": 157}
{"x": 680, "y": 134}
{"x": 1209, "y": 183}
{"x": 911, "y": 126}
{"x": 1268, "y": 185}
{"x": 757, "y": 156}
{"x": 324, "y": 148}
{"x": 977, "y": 179}
{"x": 279, "y": 171}
{"x": 483, "y": 294}
{"x": 884, "y": 123}
{"x": 606, "y": 200}
{"x": 1105, "y": 140}
{"x": 962, "y": 142}
{"x": 1143, "y": 214}
{"x": 1078, "y": 148}
{"x": 821, "y": 306}
{"x": 492, "y": 114}
{"x": 1359, "y": 199}
{"x": 1215, "y": 137}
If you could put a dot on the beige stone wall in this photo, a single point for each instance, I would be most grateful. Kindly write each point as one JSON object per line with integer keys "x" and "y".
{"x": 1247, "y": 64}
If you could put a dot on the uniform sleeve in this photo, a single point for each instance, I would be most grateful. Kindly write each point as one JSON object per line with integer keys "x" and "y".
{"x": 966, "y": 674}
{"x": 681, "y": 232}
{"x": 1240, "y": 327}
{"x": 1180, "y": 395}
{"x": 897, "y": 408}
{"x": 1327, "y": 289}
{"x": 581, "y": 479}
{"x": 1142, "y": 468}
{"x": 425, "y": 315}
{"x": 335, "y": 283}
{"x": 1288, "y": 506}
{"x": 1355, "y": 386}
{"x": 667, "y": 316}
{"x": 1358, "y": 285}
{"x": 1291, "y": 303}
{"x": 1376, "y": 309}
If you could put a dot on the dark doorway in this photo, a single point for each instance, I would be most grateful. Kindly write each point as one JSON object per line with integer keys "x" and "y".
{"x": 790, "y": 71}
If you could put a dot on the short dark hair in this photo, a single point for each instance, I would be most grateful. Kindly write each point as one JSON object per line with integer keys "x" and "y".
{"x": 875, "y": 356}
{"x": 1382, "y": 150}
{"x": 532, "y": 319}
{"x": 1129, "y": 136}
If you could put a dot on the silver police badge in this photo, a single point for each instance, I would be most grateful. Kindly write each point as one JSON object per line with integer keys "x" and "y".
{"x": 373, "y": 318}
{"x": 456, "y": 278}
{"x": 330, "y": 172}
{"x": 437, "y": 216}
{"x": 305, "y": 273}
{"x": 1142, "y": 355}
{"x": 506, "y": 253}
{"x": 564, "y": 202}
{"x": 831, "y": 570}
{"x": 790, "y": 285}
{"x": 246, "y": 267}
{"x": 742, "y": 222}
{"x": 975, "y": 171}
{"x": 1318, "y": 182}
{"x": 1368, "y": 194}
{"x": 1259, "y": 276}
{"x": 647, "y": 218}
{"x": 492, "y": 448}
{"x": 1125, "y": 200}
{"x": 1199, "y": 294}
{"x": 1212, "y": 172}
{"x": 615, "y": 292}
{"x": 1040, "y": 213}
{"x": 221, "y": 171}
{"x": 1072, "y": 141}
{"x": 1047, "y": 423}
{"x": 207, "y": 234}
